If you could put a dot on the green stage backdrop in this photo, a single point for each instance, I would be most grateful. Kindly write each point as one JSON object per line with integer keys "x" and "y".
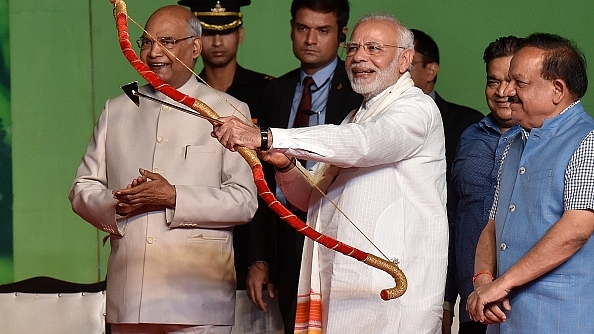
{"x": 65, "y": 63}
{"x": 6, "y": 264}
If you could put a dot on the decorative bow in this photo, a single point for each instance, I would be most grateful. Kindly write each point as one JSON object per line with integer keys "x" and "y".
{"x": 121, "y": 17}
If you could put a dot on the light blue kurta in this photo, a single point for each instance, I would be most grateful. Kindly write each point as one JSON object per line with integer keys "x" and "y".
{"x": 531, "y": 201}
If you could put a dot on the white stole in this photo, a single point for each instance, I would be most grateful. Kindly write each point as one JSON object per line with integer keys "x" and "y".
{"x": 309, "y": 297}
{"x": 327, "y": 173}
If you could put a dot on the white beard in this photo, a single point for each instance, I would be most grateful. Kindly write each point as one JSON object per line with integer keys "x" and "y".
{"x": 385, "y": 78}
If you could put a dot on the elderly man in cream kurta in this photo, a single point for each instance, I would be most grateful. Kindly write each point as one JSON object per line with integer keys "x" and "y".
{"x": 171, "y": 263}
{"x": 384, "y": 167}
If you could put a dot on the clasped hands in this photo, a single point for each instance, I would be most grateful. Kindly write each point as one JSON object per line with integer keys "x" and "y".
{"x": 486, "y": 302}
{"x": 158, "y": 194}
{"x": 147, "y": 192}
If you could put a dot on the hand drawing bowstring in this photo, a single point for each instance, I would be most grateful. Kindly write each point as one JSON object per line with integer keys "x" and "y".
{"x": 121, "y": 17}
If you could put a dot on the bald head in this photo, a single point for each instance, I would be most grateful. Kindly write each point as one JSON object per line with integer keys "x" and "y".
{"x": 180, "y": 28}
{"x": 177, "y": 14}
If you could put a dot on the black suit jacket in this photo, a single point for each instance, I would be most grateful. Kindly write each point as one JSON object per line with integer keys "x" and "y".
{"x": 279, "y": 98}
{"x": 271, "y": 239}
{"x": 248, "y": 86}
{"x": 456, "y": 119}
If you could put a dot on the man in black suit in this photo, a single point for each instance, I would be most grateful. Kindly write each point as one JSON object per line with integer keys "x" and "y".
{"x": 318, "y": 28}
{"x": 456, "y": 119}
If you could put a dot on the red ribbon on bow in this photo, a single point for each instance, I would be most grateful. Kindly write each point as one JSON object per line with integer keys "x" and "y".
{"x": 121, "y": 17}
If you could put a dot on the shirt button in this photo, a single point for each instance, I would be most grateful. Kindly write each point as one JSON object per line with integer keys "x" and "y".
{"x": 522, "y": 170}
{"x": 164, "y": 108}
{"x": 512, "y": 208}
{"x": 503, "y": 246}
{"x": 156, "y": 171}
{"x": 150, "y": 240}
{"x": 160, "y": 140}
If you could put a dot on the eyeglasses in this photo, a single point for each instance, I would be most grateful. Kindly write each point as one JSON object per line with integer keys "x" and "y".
{"x": 167, "y": 42}
{"x": 372, "y": 48}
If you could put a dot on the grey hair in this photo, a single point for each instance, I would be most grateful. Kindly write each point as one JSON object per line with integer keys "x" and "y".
{"x": 405, "y": 37}
{"x": 194, "y": 27}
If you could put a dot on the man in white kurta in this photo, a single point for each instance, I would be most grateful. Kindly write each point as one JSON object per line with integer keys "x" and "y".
{"x": 384, "y": 167}
{"x": 393, "y": 190}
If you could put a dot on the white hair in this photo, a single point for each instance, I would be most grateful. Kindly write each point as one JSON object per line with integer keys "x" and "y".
{"x": 194, "y": 27}
{"x": 405, "y": 37}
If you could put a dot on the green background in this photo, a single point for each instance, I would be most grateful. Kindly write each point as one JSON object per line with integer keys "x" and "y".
{"x": 65, "y": 62}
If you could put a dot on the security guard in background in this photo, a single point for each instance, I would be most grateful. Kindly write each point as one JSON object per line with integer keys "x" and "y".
{"x": 222, "y": 32}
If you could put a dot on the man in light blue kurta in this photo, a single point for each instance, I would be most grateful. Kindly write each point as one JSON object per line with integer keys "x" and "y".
{"x": 537, "y": 241}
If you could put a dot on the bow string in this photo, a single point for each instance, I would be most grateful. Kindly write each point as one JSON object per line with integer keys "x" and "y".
{"x": 121, "y": 18}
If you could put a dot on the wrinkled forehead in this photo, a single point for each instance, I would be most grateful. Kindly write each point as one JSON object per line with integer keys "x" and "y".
{"x": 167, "y": 23}
{"x": 526, "y": 62}
{"x": 498, "y": 66}
{"x": 380, "y": 31}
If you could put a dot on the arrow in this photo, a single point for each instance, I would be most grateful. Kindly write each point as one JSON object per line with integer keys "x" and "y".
{"x": 131, "y": 90}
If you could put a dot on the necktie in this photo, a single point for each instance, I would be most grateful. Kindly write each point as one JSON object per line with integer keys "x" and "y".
{"x": 304, "y": 109}
{"x": 302, "y": 120}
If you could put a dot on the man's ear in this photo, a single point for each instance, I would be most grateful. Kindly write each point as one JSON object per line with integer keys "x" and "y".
{"x": 560, "y": 91}
{"x": 406, "y": 58}
{"x": 342, "y": 36}
{"x": 197, "y": 48}
{"x": 240, "y": 31}
{"x": 432, "y": 69}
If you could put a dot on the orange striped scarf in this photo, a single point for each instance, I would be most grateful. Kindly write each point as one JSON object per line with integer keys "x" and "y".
{"x": 308, "y": 319}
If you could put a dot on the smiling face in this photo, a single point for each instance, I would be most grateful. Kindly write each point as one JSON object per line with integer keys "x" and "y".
{"x": 371, "y": 74}
{"x": 171, "y": 21}
{"x": 315, "y": 38}
{"x": 497, "y": 81}
{"x": 533, "y": 99}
